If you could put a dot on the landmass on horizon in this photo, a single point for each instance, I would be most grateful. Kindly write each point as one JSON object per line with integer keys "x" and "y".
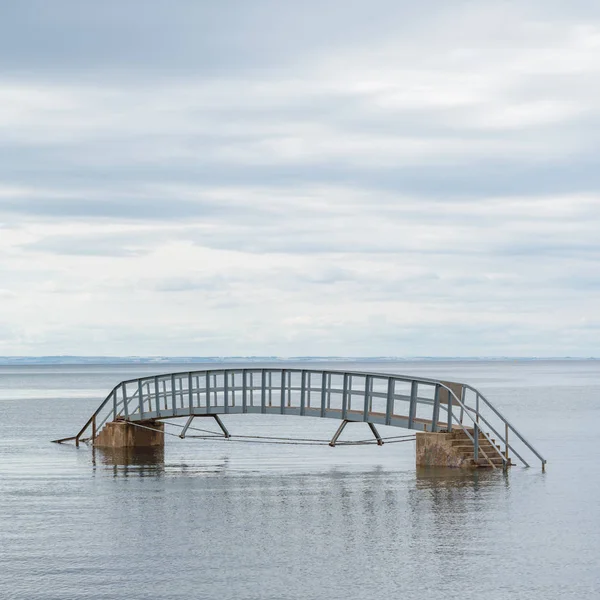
{"x": 87, "y": 360}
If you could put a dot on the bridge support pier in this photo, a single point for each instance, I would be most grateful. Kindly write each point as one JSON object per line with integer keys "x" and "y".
{"x": 126, "y": 434}
{"x": 437, "y": 450}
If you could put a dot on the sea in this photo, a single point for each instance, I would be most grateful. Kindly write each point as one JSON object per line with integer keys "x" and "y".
{"x": 217, "y": 519}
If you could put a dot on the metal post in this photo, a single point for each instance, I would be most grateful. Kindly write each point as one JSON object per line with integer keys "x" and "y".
{"x": 349, "y": 407}
{"x": 190, "y": 392}
{"x": 412, "y": 409}
{"x": 270, "y": 388}
{"x": 156, "y": 394}
{"x": 389, "y": 406}
{"x": 244, "y": 391}
{"x": 115, "y": 402}
{"x": 449, "y": 405}
{"x": 173, "y": 396}
{"x": 141, "y": 399}
{"x": 345, "y": 396}
{"x": 263, "y": 392}
{"x": 337, "y": 434}
{"x": 436, "y": 409}
{"x": 126, "y": 407}
{"x": 93, "y": 428}
{"x": 207, "y": 382}
{"x": 164, "y": 392}
{"x": 323, "y": 393}
{"x": 367, "y": 392}
{"x": 506, "y": 442}
{"x": 232, "y": 388}
{"x": 303, "y": 393}
{"x": 375, "y": 433}
{"x": 220, "y": 424}
{"x": 328, "y": 391}
{"x": 226, "y": 391}
{"x": 282, "y": 399}
{"x": 476, "y": 442}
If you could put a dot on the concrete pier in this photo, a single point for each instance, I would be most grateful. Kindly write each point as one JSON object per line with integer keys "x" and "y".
{"x": 125, "y": 434}
{"x": 438, "y": 450}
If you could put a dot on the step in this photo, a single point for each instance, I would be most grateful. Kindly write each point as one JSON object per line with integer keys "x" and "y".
{"x": 483, "y": 463}
{"x": 471, "y": 454}
{"x": 458, "y": 444}
{"x": 463, "y": 435}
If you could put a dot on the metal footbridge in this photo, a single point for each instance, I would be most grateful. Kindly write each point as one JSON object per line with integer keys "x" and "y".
{"x": 412, "y": 403}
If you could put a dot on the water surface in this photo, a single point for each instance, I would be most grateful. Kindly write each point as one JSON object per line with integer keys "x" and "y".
{"x": 230, "y": 520}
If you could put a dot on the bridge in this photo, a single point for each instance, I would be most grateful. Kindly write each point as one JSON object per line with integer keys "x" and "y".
{"x": 453, "y": 422}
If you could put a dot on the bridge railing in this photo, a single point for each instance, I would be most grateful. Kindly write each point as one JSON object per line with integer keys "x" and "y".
{"x": 415, "y": 403}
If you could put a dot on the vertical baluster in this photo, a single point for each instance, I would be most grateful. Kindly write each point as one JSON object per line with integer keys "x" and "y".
{"x": 270, "y": 388}
{"x": 389, "y": 406}
{"x": 263, "y": 391}
{"x": 345, "y": 396}
{"x": 173, "y": 394}
{"x": 412, "y": 409}
{"x": 232, "y": 388}
{"x": 124, "y": 394}
{"x": 190, "y": 393}
{"x": 140, "y": 399}
{"x": 367, "y": 397}
{"x": 450, "y": 405}
{"x": 157, "y": 396}
{"x": 207, "y": 384}
{"x": 436, "y": 409}
{"x": 323, "y": 393}
{"x": 282, "y": 399}
{"x": 349, "y": 392}
{"x": 226, "y": 391}
{"x": 303, "y": 392}
{"x": 244, "y": 391}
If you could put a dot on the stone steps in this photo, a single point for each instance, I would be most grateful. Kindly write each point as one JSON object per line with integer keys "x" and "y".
{"x": 464, "y": 446}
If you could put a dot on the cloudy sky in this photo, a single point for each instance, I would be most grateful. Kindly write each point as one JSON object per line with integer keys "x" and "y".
{"x": 330, "y": 177}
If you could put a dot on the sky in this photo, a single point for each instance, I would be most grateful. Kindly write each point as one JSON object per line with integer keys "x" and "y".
{"x": 332, "y": 177}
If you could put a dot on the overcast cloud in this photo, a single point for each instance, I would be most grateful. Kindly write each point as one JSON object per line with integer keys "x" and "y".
{"x": 290, "y": 178}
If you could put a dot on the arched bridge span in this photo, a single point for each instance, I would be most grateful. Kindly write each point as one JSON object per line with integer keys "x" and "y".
{"x": 414, "y": 403}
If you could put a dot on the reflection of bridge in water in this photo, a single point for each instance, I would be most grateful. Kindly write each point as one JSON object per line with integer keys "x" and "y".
{"x": 454, "y": 421}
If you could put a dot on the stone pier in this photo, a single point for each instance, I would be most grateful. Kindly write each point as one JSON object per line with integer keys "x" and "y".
{"x": 123, "y": 434}
{"x": 440, "y": 450}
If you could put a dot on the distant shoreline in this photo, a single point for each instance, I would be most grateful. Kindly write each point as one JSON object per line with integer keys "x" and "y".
{"x": 125, "y": 360}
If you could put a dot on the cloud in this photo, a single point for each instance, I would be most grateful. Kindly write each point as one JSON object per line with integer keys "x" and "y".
{"x": 325, "y": 178}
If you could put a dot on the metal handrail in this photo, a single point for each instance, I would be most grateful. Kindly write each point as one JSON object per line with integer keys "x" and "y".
{"x": 476, "y": 430}
{"x": 508, "y": 423}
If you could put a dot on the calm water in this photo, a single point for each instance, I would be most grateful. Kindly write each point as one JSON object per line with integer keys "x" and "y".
{"x": 230, "y": 520}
